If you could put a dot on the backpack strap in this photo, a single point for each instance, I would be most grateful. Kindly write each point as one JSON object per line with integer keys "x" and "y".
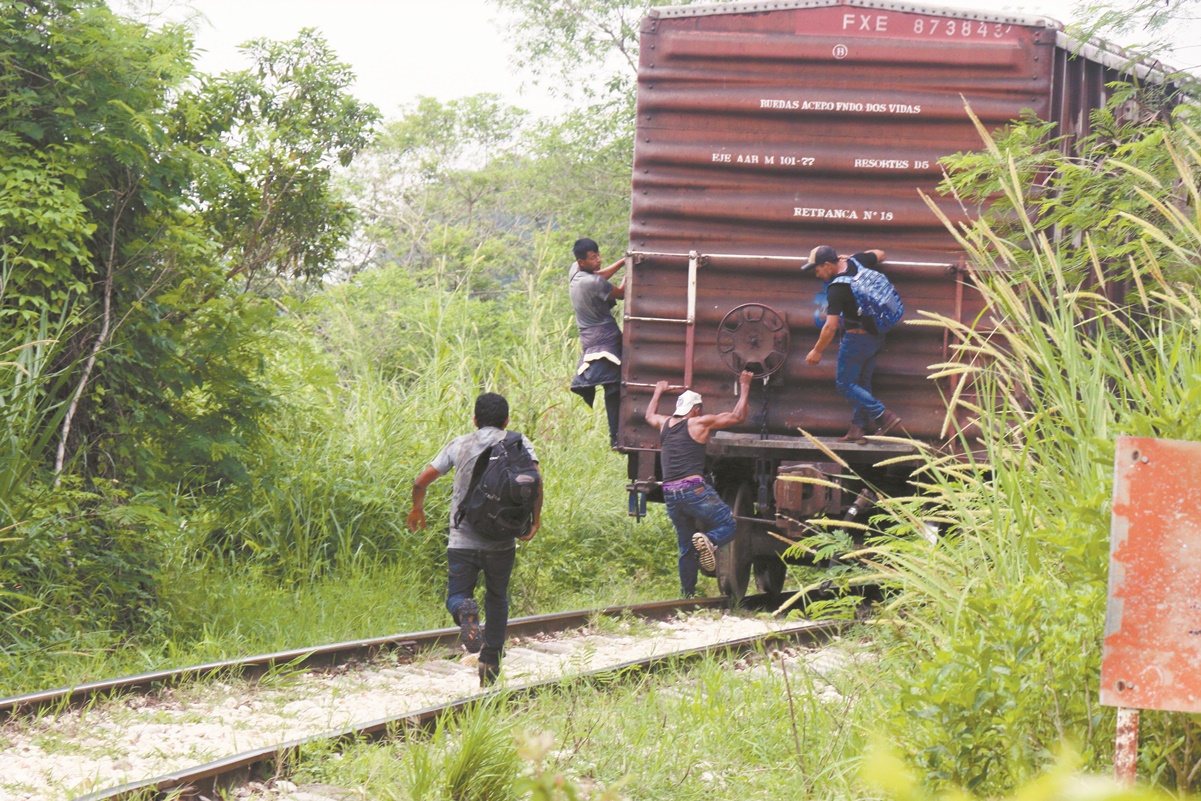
{"x": 848, "y": 280}
{"x": 477, "y": 471}
{"x": 843, "y": 278}
{"x": 511, "y": 438}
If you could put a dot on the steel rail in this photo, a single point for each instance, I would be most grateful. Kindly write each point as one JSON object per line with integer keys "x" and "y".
{"x": 335, "y": 654}
{"x": 210, "y": 778}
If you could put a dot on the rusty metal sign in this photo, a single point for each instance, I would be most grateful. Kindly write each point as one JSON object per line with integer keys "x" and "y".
{"x": 1153, "y": 620}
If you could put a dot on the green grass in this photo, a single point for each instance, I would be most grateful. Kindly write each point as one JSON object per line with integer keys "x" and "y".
{"x": 701, "y": 732}
{"x": 1001, "y": 621}
{"x": 311, "y": 548}
{"x": 230, "y": 612}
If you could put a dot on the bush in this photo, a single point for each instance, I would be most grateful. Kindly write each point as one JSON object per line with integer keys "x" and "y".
{"x": 1002, "y": 618}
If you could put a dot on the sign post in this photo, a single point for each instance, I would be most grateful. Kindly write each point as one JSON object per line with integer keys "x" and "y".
{"x": 1125, "y": 747}
{"x": 1153, "y": 615}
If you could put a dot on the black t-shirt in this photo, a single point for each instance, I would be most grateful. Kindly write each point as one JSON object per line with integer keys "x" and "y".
{"x": 841, "y": 300}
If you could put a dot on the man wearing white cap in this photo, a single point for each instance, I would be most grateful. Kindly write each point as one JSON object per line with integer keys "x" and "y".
{"x": 702, "y": 520}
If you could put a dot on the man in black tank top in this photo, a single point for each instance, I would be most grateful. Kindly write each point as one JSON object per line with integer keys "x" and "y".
{"x": 702, "y": 520}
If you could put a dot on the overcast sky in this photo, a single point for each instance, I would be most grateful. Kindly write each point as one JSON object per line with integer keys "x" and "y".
{"x": 400, "y": 49}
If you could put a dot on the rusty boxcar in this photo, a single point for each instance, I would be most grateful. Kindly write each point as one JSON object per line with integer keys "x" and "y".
{"x": 764, "y": 129}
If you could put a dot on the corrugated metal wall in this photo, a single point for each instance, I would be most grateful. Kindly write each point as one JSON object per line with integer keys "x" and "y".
{"x": 769, "y": 133}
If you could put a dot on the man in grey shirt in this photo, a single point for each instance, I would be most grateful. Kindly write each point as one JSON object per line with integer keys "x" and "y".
{"x": 593, "y": 298}
{"x": 468, "y": 553}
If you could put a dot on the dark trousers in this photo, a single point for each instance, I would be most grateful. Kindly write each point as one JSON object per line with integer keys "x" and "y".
{"x": 612, "y": 409}
{"x": 463, "y": 571}
{"x": 612, "y": 395}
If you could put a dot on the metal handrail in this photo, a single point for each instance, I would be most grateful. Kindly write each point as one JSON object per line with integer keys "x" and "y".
{"x": 658, "y": 319}
{"x": 775, "y": 258}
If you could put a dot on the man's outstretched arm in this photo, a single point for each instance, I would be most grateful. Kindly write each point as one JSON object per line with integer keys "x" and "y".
{"x": 416, "y": 518}
{"x": 829, "y": 331}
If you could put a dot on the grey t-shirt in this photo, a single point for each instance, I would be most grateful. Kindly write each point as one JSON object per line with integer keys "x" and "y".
{"x": 460, "y": 455}
{"x": 590, "y": 298}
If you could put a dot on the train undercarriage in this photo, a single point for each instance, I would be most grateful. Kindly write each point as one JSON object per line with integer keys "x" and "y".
{"x": 774, "y": 486}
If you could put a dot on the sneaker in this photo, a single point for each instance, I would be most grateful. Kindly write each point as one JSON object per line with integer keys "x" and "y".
{"x": 887, "y": 422}
{"x": 488, "y": 674}
{"x": 704, "y": 551}
{"x": 470, "y": 633}
{"x": 854, "y": 434}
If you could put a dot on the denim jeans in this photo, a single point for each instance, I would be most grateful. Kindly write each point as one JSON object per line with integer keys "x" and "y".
{"x": 463, "y": 571}
{"x": 853, "y": 375}
{"x": 697, "y": 508}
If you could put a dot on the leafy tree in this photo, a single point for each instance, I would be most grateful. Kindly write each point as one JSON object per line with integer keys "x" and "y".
{"x": 141, "y": 204}
{"x": 85, "y": 138}
{"x": 434, "y": 187}
{"x": 467, "y": 183}
{"x": 269, "y": 138}
{"x": 583, "y": 48}
{"x": 1092, "y": 198}
{"x": 1159, "y": 21}
{"x": 586, "y": 51}
{"x": 145, "y": 197}
{"x": 576, "y": 180}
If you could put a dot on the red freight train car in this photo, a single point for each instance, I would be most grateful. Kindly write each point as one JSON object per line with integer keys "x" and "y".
{"x": 765, "y": 129}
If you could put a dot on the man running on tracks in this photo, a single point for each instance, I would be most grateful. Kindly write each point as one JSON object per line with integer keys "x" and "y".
{"x": 468, "y": 553}
{"x": 702, "y": 520}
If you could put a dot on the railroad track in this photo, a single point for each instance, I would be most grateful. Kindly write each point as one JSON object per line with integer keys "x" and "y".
{"x": 324, "y": 656}
{"x": 208, "y": 735}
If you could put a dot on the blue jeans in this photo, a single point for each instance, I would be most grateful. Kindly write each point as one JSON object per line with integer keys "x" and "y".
{"x": 463, "y": 571}
{"x": 853, "y": 375}
{"x": 697, "y": 508}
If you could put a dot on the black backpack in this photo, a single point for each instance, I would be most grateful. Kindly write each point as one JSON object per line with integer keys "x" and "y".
{"x": 499, "y": 503}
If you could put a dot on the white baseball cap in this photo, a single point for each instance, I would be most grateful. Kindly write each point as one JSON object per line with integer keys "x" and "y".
{"x": 686, "y": 401}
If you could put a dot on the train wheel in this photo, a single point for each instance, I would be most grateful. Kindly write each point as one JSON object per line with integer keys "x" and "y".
{"x": 734, "y": 558}
{"x": 770, "y": 573}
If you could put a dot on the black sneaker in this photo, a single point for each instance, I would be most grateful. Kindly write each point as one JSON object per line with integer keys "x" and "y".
{"x": 704, "y": 551}
{"x": 470, "y": 633}
{"x": 488, "y": 674}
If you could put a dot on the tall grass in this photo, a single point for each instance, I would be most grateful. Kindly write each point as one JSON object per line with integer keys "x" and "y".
{"x": 1002, "y": 617}
{"x": 709, "y": 731}
{"x": 29, "y": 413}
{"x": 379, "y": 376}
{"x": 29, "y": 418}
{"x": 333, "y": 483}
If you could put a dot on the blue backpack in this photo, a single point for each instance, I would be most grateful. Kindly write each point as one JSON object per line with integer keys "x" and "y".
{"x": 876, "y": 296}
